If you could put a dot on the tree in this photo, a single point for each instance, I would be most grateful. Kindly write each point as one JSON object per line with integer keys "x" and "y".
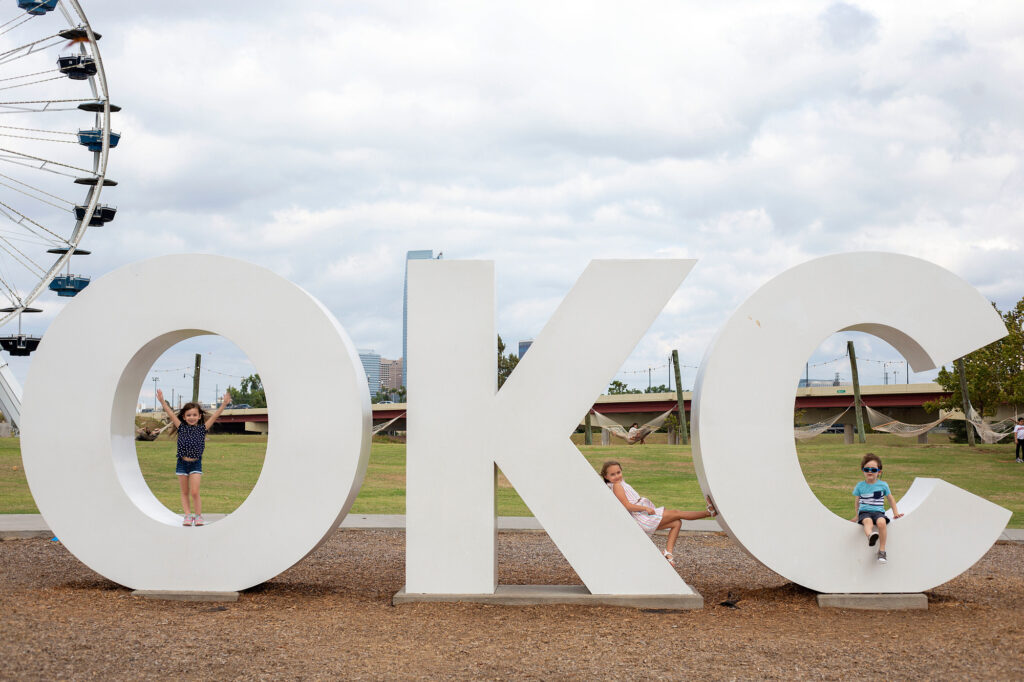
{"x": 251, "y": 393}
{"x": 660, "y": 388}
{"x": 619, "y": 388}
{"x": 995, "y": 373}
{"x": 506, "y": 363}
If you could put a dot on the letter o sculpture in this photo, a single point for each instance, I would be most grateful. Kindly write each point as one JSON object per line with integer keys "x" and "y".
{"x": 84, "y": 472}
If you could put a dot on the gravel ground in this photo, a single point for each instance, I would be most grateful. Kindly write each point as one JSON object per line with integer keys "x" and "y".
{"x": 331, "y": 616}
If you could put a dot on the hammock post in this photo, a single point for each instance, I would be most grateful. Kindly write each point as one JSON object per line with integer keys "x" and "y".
{"x": 195, "y": 378}
{"x": 966, "y": 399}
{"x": 679, "y": 398}
{"x": 588, "y": 433}
{"x": 856, "y": 393}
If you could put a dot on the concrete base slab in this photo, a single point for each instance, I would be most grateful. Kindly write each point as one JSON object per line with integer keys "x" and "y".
{"x": 529, "y": 595}
{"x": 186, "y": 596}
{"x": 875, "y": 602}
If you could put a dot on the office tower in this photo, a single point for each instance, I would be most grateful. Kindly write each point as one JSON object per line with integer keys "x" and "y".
{"x": 371, "y": 365}
{"x": 390, "y": 373}
{"x": 409, "y": 255}
{"x": 524, "y": 346}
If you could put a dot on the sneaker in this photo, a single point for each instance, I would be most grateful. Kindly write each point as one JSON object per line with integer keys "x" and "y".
{"x": 187, "y": 521}
{"x": 881, "y": 557}
{"x": 197, "y": 519}
{"x": 873, "y": 539}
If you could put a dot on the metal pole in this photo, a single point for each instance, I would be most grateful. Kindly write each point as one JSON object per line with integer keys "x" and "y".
{"x": 679, "y": 399}
{"x": 856, "y": 393}
{"x": 195, "y": 379}
{"x": 155, "y": 379}
{"x": 966, "y": 400}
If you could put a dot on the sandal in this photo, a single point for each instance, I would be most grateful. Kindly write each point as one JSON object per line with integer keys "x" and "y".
{"x": 711, "y": 507}
{"x": 668, "y": 556}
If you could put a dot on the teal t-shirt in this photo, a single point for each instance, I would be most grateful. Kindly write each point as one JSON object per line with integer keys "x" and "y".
{"x": 872, "y": 495}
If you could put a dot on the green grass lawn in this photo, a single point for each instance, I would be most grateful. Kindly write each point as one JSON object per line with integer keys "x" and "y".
{"x": 661, "y": 472}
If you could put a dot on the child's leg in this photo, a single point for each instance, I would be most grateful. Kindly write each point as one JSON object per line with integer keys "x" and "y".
{"x": 671, "y": 515}
{"x": 869, "y": 526}
{"x": 193, "y": 488}
{"x": 882, "y": 526}
{"x": 673, "y": 533}
{"x": 183, "y": 484}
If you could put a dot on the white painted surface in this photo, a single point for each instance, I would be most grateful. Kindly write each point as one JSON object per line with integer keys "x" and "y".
{"x": 764, "y": 500}
{"x": 85, "y": 475}
{"x": 455, "y": 439}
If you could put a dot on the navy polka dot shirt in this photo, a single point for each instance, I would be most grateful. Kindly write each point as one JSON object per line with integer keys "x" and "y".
{"x": 191, "y": 440}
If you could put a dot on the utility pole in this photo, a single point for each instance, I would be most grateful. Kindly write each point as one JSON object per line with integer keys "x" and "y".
{"x": 155, "y": 379}
{"x": 679, "y": 399}
{"x": 856, "y": 393}
{"x": 195, "y": 379}
{"x": 649, "y": 380}
{"x": 967, "y": 400}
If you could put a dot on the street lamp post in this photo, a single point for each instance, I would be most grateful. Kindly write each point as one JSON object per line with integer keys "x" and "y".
{"x": 155, "y": 379}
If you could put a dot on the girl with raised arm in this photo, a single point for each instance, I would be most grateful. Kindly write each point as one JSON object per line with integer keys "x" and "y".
{"x": 191, "y": 423}
{"x": 649, "y": 517}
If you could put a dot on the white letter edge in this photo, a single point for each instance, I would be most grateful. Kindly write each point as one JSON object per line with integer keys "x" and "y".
{"x": 746, "y": 386}
{"x": 460, "y": 426}
{"x": 84, "y": 474}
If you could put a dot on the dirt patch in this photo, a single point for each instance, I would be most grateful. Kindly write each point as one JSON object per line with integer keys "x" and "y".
{"x": 330, "y": 616}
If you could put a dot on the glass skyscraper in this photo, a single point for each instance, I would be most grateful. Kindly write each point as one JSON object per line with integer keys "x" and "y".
{"x": 371, "y": 365}
{"x": 409, "y": 255}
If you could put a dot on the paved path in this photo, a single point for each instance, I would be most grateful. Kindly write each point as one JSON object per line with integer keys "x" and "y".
{"x": 33, "y": 525}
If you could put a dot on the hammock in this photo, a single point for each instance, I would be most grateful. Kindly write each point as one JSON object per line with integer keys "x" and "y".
{"x": 378, "y": 429}
{"x": 143, "y": 433}
{"x": 619, "y": 431}
{"x": 817, "y": 428}
{"x": 989, "y": 433}
{"x": 880, "y": 422}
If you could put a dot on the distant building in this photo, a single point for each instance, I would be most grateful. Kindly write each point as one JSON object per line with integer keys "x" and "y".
{"x": 371, "y": 365}
{"x": 390, "y": 373}
{"x": 524, "y": 346}
{"x": 409, "y": 255}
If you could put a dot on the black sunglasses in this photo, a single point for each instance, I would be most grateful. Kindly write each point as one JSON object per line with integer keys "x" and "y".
{"x": 871, "y": 470}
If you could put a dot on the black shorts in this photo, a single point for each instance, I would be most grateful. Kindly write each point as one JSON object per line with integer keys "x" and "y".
{"x": 874, "y": 516}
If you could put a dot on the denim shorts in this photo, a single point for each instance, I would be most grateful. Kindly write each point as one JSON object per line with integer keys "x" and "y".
{"x": 874, "y": 516}
{"x": 185, "y": 468}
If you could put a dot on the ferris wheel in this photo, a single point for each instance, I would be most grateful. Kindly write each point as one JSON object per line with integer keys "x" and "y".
{"x": 55, "y": 137}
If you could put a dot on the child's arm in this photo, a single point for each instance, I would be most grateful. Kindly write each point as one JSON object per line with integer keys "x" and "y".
{"x": 225, "y": 401}
{"x": 167, "y": 409}
{"x": 621, "y": 494}
{"x": 892, "y": 505}
{"x": 856, "y": 507}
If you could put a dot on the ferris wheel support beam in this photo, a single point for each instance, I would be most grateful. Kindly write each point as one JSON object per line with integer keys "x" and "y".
{"x": 10, "y": 396}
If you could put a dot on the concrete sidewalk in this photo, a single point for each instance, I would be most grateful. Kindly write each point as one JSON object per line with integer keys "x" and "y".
{"x": 33, "y": 525}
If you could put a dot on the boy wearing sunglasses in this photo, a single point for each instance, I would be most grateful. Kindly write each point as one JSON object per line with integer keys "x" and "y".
{"x": 870, "y": 496}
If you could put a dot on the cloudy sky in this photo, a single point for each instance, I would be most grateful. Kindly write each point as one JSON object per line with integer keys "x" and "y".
{"x": 324, "y": 140}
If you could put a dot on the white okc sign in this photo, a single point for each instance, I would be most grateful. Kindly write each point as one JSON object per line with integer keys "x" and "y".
{"x": 86, "y": 481}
